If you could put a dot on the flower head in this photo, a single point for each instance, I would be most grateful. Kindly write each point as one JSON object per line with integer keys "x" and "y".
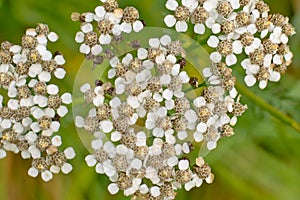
{"x": 30, "y": 118}
{"x": 105, "y": 25}
{"x": 239, "y": 27}
{"x": 146, "y": 123}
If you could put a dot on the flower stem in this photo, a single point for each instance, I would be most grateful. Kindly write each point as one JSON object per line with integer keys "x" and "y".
{"x": 204, "y": 84}
{"x": 266, "y": 106}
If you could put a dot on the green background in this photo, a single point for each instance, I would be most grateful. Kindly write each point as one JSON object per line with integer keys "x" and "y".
{"x": 262, "y": 161}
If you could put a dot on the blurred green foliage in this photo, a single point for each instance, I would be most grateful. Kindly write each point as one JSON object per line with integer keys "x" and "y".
{"x": 260, "y": 162}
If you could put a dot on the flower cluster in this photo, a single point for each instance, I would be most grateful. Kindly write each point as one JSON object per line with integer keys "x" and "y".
{"x": 189, "y": 10}
{"x": 149, "y": 119}
{"x": 239, "y": 26}
{"x": 104, "y": 25}
{"x": 30, "y": 111}
{"x": 147, "y": 114}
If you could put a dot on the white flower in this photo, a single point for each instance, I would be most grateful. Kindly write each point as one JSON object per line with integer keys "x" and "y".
{"x": 180, "y": 22}
{"x": 44, "y": 117}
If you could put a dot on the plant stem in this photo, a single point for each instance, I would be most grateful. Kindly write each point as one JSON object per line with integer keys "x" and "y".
{"x": 266, "y": 106}
{"x": 195, "y": 88}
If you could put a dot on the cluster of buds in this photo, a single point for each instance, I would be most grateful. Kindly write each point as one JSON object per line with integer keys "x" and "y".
{"x": 148, "y": 120}
{"x": 31, "y": 109}
{"x": 239, "y": 26}
{"x": 106, "y": 24}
